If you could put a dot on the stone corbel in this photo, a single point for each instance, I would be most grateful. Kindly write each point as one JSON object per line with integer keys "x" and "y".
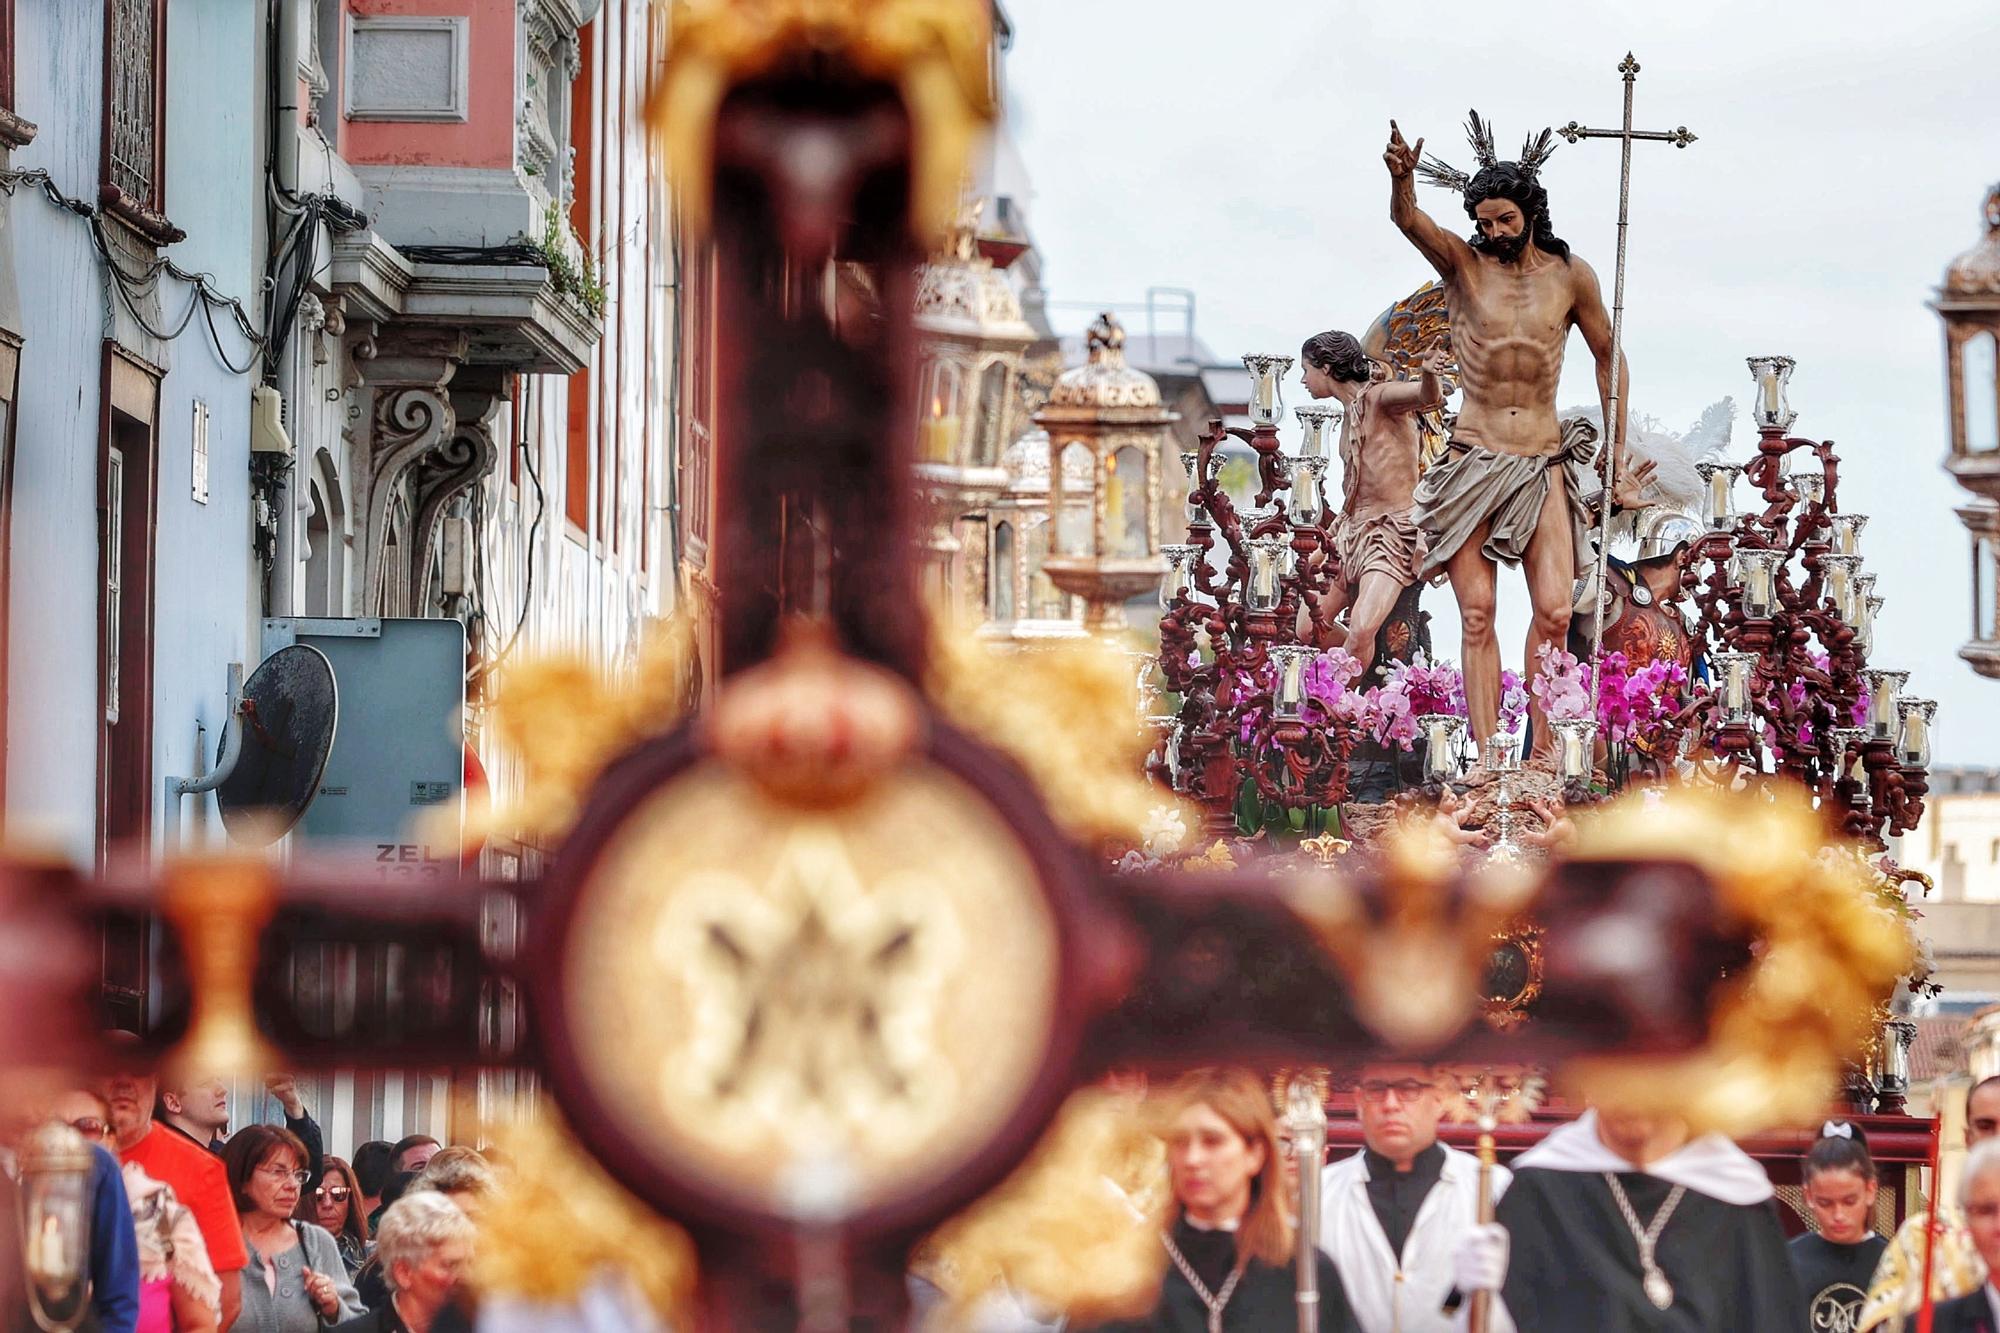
{"x": 410, "y": 415}
{"x": 458, "y": 463}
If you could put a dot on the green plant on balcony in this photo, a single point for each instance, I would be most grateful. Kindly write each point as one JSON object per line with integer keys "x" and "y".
{"x": 572, "y": 271}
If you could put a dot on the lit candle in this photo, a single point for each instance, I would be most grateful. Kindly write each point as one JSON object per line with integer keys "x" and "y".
{"x": 940, "y": 434}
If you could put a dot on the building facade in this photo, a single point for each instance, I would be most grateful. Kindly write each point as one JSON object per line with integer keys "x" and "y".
{"x": 314, "y": 312}
{"x": 1958, "y": 847}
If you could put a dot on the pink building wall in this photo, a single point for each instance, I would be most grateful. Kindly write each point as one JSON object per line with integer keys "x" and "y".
{"x": 486, "y": 137}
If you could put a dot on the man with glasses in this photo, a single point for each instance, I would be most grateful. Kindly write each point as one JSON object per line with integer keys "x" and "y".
{"x": 1392, "y": 1214}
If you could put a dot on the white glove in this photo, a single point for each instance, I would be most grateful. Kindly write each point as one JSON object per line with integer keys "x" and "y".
{"x": 1479, "y": 1262}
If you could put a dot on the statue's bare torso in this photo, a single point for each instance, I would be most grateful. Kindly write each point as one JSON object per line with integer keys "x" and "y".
{"x": 1509, "y": 325}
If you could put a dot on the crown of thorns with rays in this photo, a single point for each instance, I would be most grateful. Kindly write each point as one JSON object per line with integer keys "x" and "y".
{"x": 1534, "y": 152}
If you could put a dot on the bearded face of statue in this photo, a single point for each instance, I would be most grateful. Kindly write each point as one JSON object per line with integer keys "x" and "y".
{"x": 1503, "y": 227}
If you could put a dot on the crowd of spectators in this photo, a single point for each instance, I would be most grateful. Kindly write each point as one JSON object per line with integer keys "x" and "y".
{"x": 194, "y": 1229}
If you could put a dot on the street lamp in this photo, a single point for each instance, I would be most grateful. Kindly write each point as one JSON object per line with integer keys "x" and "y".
{"x": 1968, "y": 301}
{"x": 1111, "y": 414}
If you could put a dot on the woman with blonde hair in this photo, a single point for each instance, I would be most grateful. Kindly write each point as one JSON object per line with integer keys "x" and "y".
{"x": 1227, "y": 1233}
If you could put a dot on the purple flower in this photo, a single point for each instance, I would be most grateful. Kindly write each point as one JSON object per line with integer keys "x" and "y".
{"x": 1513, "y": 701}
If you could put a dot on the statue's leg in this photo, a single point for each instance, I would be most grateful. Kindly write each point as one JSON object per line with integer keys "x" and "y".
{"x": 1373, "y": 602}
{"x": 1472, "y": 582}
{"x": 1551, "y": 567}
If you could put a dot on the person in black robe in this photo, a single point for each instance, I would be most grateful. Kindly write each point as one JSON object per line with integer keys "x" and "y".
{"x": 1230, "y": 1244}
{"x": 1587, "y": 1237}
{"x": 1836, "y": 1262}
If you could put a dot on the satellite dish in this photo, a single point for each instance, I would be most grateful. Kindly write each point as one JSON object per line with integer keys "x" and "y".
{"x": 283, "y": 731}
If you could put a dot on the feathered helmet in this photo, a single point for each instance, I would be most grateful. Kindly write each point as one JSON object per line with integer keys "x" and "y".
{"x": 1534, "y": 151}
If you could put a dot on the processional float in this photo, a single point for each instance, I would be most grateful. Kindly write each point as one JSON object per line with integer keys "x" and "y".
{"x": 813, "y": 972}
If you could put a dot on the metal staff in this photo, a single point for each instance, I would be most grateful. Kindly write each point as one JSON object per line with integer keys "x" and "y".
{"x": 1305, "y": 1120}
{"x": 1614, "y": 415}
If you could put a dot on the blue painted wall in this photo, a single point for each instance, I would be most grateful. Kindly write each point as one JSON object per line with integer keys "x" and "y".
{"x": 205, "y": 597}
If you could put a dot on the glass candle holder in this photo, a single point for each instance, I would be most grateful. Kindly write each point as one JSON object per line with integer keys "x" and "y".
{"x": 1884, "y": 688}
{"x": 1576, "y": 744}
{"x": 1808, "y": 488}
{"x": 1718, "y": 504}
{"x": 1288, "y": 694}
{"x": 1305, "y": 502}
{"x": 1845, "y": 530}
{"x": 1859, "y": 589}
{"x": 1267, "y": 376}
{"x": 1179, "y": 582}
{"x": 1321, "y": 422}
{"x": 1502, "y": 752}
{"x": 54, "y": 1220}
{"x": 1734, "y": 673}
{"x": 1768, "y": 407}
{"x": 1836, "y": 574}
{"x": 1913, "y": 740}
{"x": 1171, "y": 757}
{"x": 1757, "y": 580}
{"x": 1267, "y": 571}
{"x": 1443, "y": 736}
{"x": 1864, "y": 633}
{"x": 1190, "y": 461}
{"x": 1847, "y": 750}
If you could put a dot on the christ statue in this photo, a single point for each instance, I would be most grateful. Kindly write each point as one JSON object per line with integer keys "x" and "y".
{"x": 1501, "y": 492}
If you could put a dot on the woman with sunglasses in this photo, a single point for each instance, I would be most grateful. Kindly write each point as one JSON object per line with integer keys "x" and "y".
{"x": 296, "y": 1281}
{"x": 335, "y": 1203}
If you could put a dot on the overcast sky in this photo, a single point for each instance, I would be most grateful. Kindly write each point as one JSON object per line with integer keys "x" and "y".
{"x": 1844, "y": 152}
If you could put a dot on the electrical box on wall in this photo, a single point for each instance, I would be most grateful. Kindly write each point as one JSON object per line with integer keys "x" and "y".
{"x": 394, "y": 785}
{"x": 267, "y": 422}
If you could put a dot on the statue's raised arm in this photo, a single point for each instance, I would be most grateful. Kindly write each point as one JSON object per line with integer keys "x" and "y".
{"x": 1445, "y": 251}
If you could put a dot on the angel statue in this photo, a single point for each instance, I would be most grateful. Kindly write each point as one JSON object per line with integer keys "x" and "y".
{"x": 1656, "y": 514}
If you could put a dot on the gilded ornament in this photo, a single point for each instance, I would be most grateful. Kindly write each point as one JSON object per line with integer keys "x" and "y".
{"x": 1074, "y": 1228}
{"x": 936, "y": 52}
{"x": 1826, "y": 953}
{"x": 798, "y": 1004}
{"x": 564, "y": 1223}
